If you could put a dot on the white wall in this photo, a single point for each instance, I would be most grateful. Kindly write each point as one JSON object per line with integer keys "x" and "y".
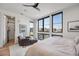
{"x": 2, "y": 30}
{"x": 18, "y": 20}
{"x": 69, "y": 14}
{"x": 21, "y": 20}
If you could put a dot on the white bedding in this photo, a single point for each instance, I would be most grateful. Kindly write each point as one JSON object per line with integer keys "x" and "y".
{"x": 53, "y": 46}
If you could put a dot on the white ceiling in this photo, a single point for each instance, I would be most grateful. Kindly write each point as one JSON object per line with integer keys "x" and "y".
{"x": 45, "y": 9}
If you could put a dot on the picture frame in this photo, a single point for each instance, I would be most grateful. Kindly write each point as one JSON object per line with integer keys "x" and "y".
{"x": 73, "y": 26}
{"x": 22, "y": 29}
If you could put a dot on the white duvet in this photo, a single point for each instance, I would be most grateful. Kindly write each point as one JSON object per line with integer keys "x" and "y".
{"x": 53, "y": 46}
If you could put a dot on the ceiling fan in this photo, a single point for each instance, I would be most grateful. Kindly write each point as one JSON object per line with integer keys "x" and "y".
{"x": 35, "y": 5}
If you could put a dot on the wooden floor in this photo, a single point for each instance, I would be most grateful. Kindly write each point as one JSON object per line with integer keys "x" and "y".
{"x": 11, "y": 42}
{"x": 4, "y": 51}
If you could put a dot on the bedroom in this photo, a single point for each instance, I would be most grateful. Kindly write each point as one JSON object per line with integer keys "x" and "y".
{"x": 42, "y": 25}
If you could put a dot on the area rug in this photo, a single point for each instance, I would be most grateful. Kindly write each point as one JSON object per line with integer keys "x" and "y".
{"x": 16, "y": 50}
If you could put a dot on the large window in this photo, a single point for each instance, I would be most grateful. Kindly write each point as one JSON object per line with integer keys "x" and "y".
{"x": 43, "y": 24}
{"x": 31, "y": 29}
{"x": 57, "y": 23}
{"x": 46, "y": 24}
{"x": 40, "y": 25}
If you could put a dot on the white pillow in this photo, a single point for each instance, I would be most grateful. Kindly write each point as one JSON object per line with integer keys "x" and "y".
{"x": 77, "y": 40}
{"x": 77, "y": 50}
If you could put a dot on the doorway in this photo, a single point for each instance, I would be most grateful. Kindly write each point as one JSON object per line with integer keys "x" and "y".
{"x": 10, "y": 29}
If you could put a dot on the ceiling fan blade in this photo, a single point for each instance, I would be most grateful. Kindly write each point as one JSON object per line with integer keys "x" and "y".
{"x": 37, "y": 9}
{"x": 35, "y": 5}
{"x": 28, "y": 5}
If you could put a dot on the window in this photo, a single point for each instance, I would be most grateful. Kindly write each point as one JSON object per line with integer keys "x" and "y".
{"x": 57, "y": 23}
{"x": 42, "y": 36}
{"x": 46, "y": 24}
{"x": 43, "y": 24}
{"x": 40, "y": 25}
{"x": 46, "y": 36}
{"x": 31, "y": 29}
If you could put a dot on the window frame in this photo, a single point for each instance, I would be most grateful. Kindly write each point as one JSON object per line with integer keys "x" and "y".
{"x": 42, "y": 35}
{"x": 49, "y": 24}
{"x": 38, "y": 25}
{"x": 62, "y": 22}
{"x": 43, "y": 24}
{"x": 33, "y": 28}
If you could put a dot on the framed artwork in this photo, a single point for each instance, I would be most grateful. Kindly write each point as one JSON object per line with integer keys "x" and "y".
{"x": 22, "y": 29}
{"x": 73, "y": 26}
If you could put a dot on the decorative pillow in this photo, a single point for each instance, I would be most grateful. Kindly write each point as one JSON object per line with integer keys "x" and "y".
{"x": 77, "y": 40}
{"x": 21, "y": 37}
{"x": 77, "y": 49}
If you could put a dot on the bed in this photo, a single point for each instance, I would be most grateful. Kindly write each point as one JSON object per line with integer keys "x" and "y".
{"x": 53, "y": 46}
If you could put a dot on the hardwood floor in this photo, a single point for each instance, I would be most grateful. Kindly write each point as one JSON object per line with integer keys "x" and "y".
{"x": 4, "y": 51}
{"x": 11, "y": 42}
